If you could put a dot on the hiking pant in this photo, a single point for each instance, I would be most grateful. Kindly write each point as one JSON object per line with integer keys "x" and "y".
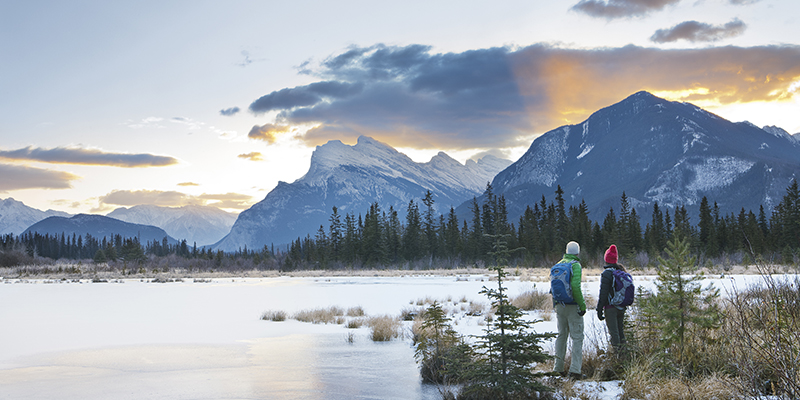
{"x": 570, "y": 324}
{"x": 615, "y": 321}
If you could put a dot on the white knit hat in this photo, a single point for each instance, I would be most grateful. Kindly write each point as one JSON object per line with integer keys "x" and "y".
{"x": 573, "y": 248}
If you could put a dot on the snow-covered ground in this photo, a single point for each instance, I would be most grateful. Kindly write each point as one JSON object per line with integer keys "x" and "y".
{"x": 131, "y": 339}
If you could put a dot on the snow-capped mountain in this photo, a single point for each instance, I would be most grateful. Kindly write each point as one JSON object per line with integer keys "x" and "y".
{"x": 98, "y": 226}
{"x": 201, "y": 225}
{"x": 351, "y": 178}
{"x": 654, "y": 150}
{"x": 15, "y": 216}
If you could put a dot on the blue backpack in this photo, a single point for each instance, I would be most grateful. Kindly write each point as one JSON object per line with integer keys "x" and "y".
{"x": 624, "y": 290}
{"x": 560, "y": 286}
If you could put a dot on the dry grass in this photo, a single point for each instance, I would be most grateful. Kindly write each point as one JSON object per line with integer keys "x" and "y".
{"x": 320, "y": 315}
{"x": 272, "y": 315}
{"x": 354, "y": 323}
{"x": 534, "y": 300}
{"x": 384, "y": 328}
{"x": 642, "y": 384}
{"x": 356, "y": 311}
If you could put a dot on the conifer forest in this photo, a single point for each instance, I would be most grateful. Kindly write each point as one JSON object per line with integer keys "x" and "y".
{"x": 424, "y": 239}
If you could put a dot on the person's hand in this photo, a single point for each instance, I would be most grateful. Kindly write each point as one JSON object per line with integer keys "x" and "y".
{"x": 600, "y": 315}
{"x": 581, "y": 312}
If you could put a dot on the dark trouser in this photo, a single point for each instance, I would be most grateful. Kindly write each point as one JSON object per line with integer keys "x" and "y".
{"x": 615, "y": 320}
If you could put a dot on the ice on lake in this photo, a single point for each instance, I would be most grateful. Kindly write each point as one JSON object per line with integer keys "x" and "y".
{"x": 132, "y": 339}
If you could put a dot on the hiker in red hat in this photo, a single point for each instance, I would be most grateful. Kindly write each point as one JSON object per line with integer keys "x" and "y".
{"x": 616, "y": 293}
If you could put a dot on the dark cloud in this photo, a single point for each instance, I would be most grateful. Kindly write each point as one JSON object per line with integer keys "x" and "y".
{"x": 694, "y": 31}
{"x": 502, "y": 97}
{"x": 303, "y": 96}
{"x": 268, "y": 132}
{"x": 65, "y": 155}
{"x": 612, "y": 9}
{"x": 229, "y": 111}
{"x": 16, "y": 177}
{"x": 254, "y": 156}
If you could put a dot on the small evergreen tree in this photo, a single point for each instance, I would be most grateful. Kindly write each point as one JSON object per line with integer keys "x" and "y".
{"x": 509, "y": 349}
{"x": 684, "y": 312}
{"x": 440, "y": 351}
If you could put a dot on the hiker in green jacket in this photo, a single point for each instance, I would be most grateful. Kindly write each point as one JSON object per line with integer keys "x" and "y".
{"x": 570, "y": 318}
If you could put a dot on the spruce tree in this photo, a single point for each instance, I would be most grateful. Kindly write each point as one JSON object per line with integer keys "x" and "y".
{"x": 509, "y": 348}
{"x": 683, "y": 310}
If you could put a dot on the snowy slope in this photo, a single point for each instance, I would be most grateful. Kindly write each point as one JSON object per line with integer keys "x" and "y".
{"x": 351, "y": 178}
{"x": 202, "y": 225}
{"x": 15, "y": 216}
{"x": 654, "y": 150}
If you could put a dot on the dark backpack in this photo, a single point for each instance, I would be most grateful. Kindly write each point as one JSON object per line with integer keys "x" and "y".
{"x": 560, "y": 286}
{"x": 624, "y": 290}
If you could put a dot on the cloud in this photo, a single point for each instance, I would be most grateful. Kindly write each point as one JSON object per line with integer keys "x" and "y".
{"x": 228, "y": 200}
{"x": 694, "y": 31}
{"x": 502, "y": 97}
{"x": 304, "y": 96}
{"x": 188, "y": 184}
{"x": 173, "y": 199}
{"x": 229, "y": 111}
{"x": 267, "y": 132}
{"x": 743, "y": 2}
{"x": 612, "y": 9}
{"x": 68, "y": 155}
{"x": 254, "y": 156}
{"x": 16, "y": 177}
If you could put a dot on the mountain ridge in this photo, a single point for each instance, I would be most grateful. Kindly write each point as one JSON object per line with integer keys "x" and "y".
{"x": 352, "y": 178}
{"x": 653, "y": 150}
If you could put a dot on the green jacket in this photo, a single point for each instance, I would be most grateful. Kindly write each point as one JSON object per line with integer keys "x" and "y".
{"x": 575, "y": 282}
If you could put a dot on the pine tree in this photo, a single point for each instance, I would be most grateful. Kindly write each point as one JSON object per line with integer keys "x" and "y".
{"x": 440, "y": 351}
{"x": 508, "y": 349}
{"x": 684, "y": 311}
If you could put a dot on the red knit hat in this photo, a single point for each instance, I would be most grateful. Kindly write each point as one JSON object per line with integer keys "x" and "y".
{"x": 611, "y": 254}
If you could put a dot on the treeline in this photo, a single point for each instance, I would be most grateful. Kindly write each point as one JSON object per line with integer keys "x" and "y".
{"x": 429, "y": 239}
{"x": 425, "y": 239}
{"x": 33, "y": 248}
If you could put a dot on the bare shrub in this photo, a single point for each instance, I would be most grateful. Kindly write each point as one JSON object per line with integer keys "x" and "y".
{"x": 476, "y": 309}
{"x": 356, "y": 311}
{"x": 272, "y": 315}
{"x": 354, "y": 323}
{"x": 320, "y": 315}
{"x": 384, "y": 328}
{"x": 533, "y": 300}
{"x": 765, "y": 324}
{"x": 410, "y": 313}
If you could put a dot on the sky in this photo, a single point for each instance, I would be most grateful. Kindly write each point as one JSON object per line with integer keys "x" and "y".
{"x": 171, "y": 103}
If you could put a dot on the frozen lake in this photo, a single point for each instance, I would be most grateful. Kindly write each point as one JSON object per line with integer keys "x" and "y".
{"x": 131, "y": 339}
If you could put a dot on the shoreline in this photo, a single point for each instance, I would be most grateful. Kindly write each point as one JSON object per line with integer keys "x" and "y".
{"x": 93, "y": 272}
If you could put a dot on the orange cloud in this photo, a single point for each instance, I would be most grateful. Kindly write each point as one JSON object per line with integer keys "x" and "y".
{"x": 574, "y": 83}
{"x": 267, "y": 132}
{"x": 254, "y": 156}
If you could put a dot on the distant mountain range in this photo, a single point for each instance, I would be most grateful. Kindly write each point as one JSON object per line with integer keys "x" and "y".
{"x": 352, "y": 178}
{"x": 15, "y": 216}
{"x": 201, "y": 225}
{"x": 654, "y": 150}
{"x": 98, "y": 226}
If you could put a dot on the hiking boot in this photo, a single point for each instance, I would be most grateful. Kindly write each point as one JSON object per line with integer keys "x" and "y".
{"x": 576, "y": 377}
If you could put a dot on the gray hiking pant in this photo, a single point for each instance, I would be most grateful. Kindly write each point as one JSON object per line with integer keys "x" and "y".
{"x": 615, "y": 321}
{"x": 570, "y": 324}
